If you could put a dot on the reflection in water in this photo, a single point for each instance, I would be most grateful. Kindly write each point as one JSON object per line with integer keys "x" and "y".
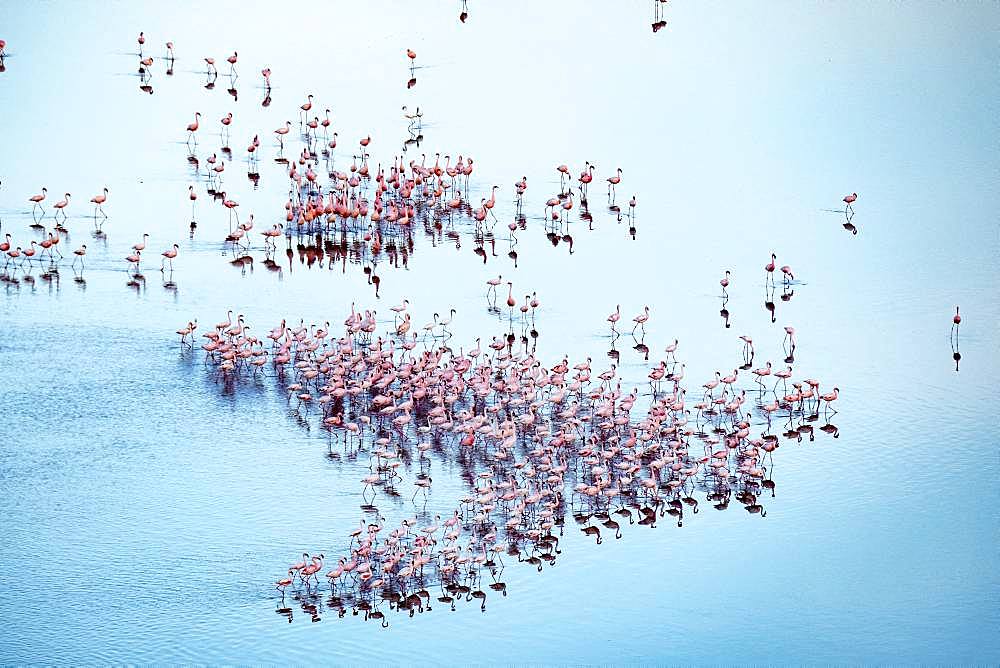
{"x": 659, "y": 22}
{"x": 531, "y": 443}
{"x": 956, "y": 320}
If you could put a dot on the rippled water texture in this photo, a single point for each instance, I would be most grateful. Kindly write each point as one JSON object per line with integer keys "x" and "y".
{"x": 147, "y": 509}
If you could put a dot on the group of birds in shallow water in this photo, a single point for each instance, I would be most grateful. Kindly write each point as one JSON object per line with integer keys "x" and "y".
{"x": 535, "y": 442}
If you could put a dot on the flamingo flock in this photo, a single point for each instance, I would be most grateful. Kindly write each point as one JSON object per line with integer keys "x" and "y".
{"x": 538, "y": 441}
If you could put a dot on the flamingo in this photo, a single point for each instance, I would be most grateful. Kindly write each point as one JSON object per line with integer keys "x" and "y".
{"x": 769, "y": 270}
{"x": 61, "y": 205}
{"x": 612, "y": 182}
{"x": 305, "y": 108}
{"x": 641, "y": 320}
{"x": 193, "y": 127}
{"x": 99, "y": 201}
{"x": 615, "y": 317}
{"x": 37, "y": 201}
{"x": 281, "y": 132}
{"x": 79, "y": 253}
{"x": 830, "y": 397}
{"x": 133, "y": 260}
{"x": 168, "y": 256}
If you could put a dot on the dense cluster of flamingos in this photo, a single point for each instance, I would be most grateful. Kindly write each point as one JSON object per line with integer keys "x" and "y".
{"x": 536, "y": 441}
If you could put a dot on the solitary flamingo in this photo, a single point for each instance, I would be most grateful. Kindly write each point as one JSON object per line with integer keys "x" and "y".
{"x": 641, "y": 320}
{"x": 614, "y": 181}
{"x": 281, "y": 132}
{"x": 830, "y": 397}
{"x": 210, "y": 66}
{"x": 79, "y": 253}
{"x": 956, "y": 320}
{"x": 193, "y": 127}
{"x": 788, "y": 276}
{"x": 168, "y": 256}
{"x": 141, "y": 246}
{"x": 99, "y": 201}
{"x": 37, "y": 201}
{"x": 615, "y": 317}
{"x": 61, "y": 205}
{"x": 232, "y": 64}
{"x": 493, "y": 283}
{"x": 769, "y": 270}
{"x": 305, "y": 108}
{"x": 725, "y": 283}
{"x": 849, "y": 201}
{"x": 563, "y": 174}
{"x": 226, "y": 122}
{"x": 133, "y": 260}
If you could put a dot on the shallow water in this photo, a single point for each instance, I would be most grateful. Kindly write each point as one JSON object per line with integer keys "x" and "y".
{"x": 147, "y": 511}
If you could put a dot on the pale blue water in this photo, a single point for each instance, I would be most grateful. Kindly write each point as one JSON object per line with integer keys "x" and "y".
{"x": 146, "y": 512}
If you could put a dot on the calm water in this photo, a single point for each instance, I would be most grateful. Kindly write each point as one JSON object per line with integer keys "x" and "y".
{"x": 146, "y": 511}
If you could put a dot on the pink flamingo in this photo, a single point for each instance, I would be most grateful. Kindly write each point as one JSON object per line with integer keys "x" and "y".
{"x": 612, "y": 182}
{"x": 168, "y": 256}
{"x": 281, "y": 132}
{"x": 849, "y": 201}
{"x": 133, "y": 260}
{"x": 37, "y": 201}
{"x": 615, "y": 317}
{"x": 769, "y": 270}
{"x": 79, "y": 253}
{"x": 641, "y": 320}
{"x": 830, "y": 397}
{"x": 492, "y": 283}
{"x": 99, "y": 201}
{"x": 563, "y": 174}
{"x": 193, "y": 127}
{"x": 305, "y": 108}
{"x": 61, "y": 205}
